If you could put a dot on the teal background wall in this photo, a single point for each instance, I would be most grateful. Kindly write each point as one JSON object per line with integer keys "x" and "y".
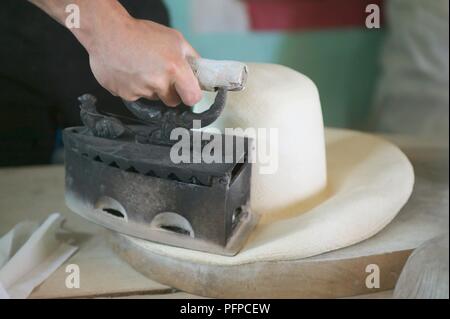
{"x": 343, "y": 62}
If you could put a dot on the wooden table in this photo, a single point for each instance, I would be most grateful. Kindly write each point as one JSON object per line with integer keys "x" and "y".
{"x": 35, "y": 192}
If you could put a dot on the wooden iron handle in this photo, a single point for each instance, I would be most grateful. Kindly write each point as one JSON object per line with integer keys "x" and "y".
{"x": 214, "y": 74}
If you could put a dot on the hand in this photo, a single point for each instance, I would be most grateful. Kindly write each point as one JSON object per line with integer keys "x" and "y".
{"x": 131, "y": 58}
{"x": 138, "y": 58}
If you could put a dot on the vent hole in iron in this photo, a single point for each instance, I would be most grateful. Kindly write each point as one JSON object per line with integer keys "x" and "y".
{"x": 114, "y": 212}
{"x": 176, "y": 229}
{"x": 112, "y": 207}
{"x": 172, "y": 222}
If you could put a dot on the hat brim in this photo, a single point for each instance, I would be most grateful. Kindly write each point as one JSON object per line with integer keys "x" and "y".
{"x": 369, "y": 181}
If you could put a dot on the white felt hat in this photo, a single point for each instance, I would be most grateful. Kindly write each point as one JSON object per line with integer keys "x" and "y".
{"x": 333, "y": 188}
{"x": 281, "y": 101}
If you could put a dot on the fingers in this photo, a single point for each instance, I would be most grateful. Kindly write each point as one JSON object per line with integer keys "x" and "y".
{"x": 187, "y": 86}
{"x": 150, "y": 95}
{"x": 177, "y": 84}
{"x": 189, "y": 51}
{"x": 169, "y": 96}
{"x": 181, "y": 86}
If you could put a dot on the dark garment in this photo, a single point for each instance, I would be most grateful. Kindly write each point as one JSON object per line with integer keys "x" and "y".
{"x": 43, "y": 69}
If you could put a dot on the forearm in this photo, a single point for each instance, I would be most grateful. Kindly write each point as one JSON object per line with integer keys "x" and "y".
{"x": 129, "y": 57}
{"x": 95, "y": 16}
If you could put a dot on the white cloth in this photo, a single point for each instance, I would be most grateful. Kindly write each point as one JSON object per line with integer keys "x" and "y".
{"x": 29, "y": 254}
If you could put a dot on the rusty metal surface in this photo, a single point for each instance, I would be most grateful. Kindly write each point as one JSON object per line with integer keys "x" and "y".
{"x": 124, "y": 178}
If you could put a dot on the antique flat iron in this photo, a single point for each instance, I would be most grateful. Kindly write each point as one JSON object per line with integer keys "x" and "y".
{"x": 124, "y": 177}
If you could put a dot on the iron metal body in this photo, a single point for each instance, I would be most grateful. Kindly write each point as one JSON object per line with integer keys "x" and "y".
{"x": 124, "y": 178}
